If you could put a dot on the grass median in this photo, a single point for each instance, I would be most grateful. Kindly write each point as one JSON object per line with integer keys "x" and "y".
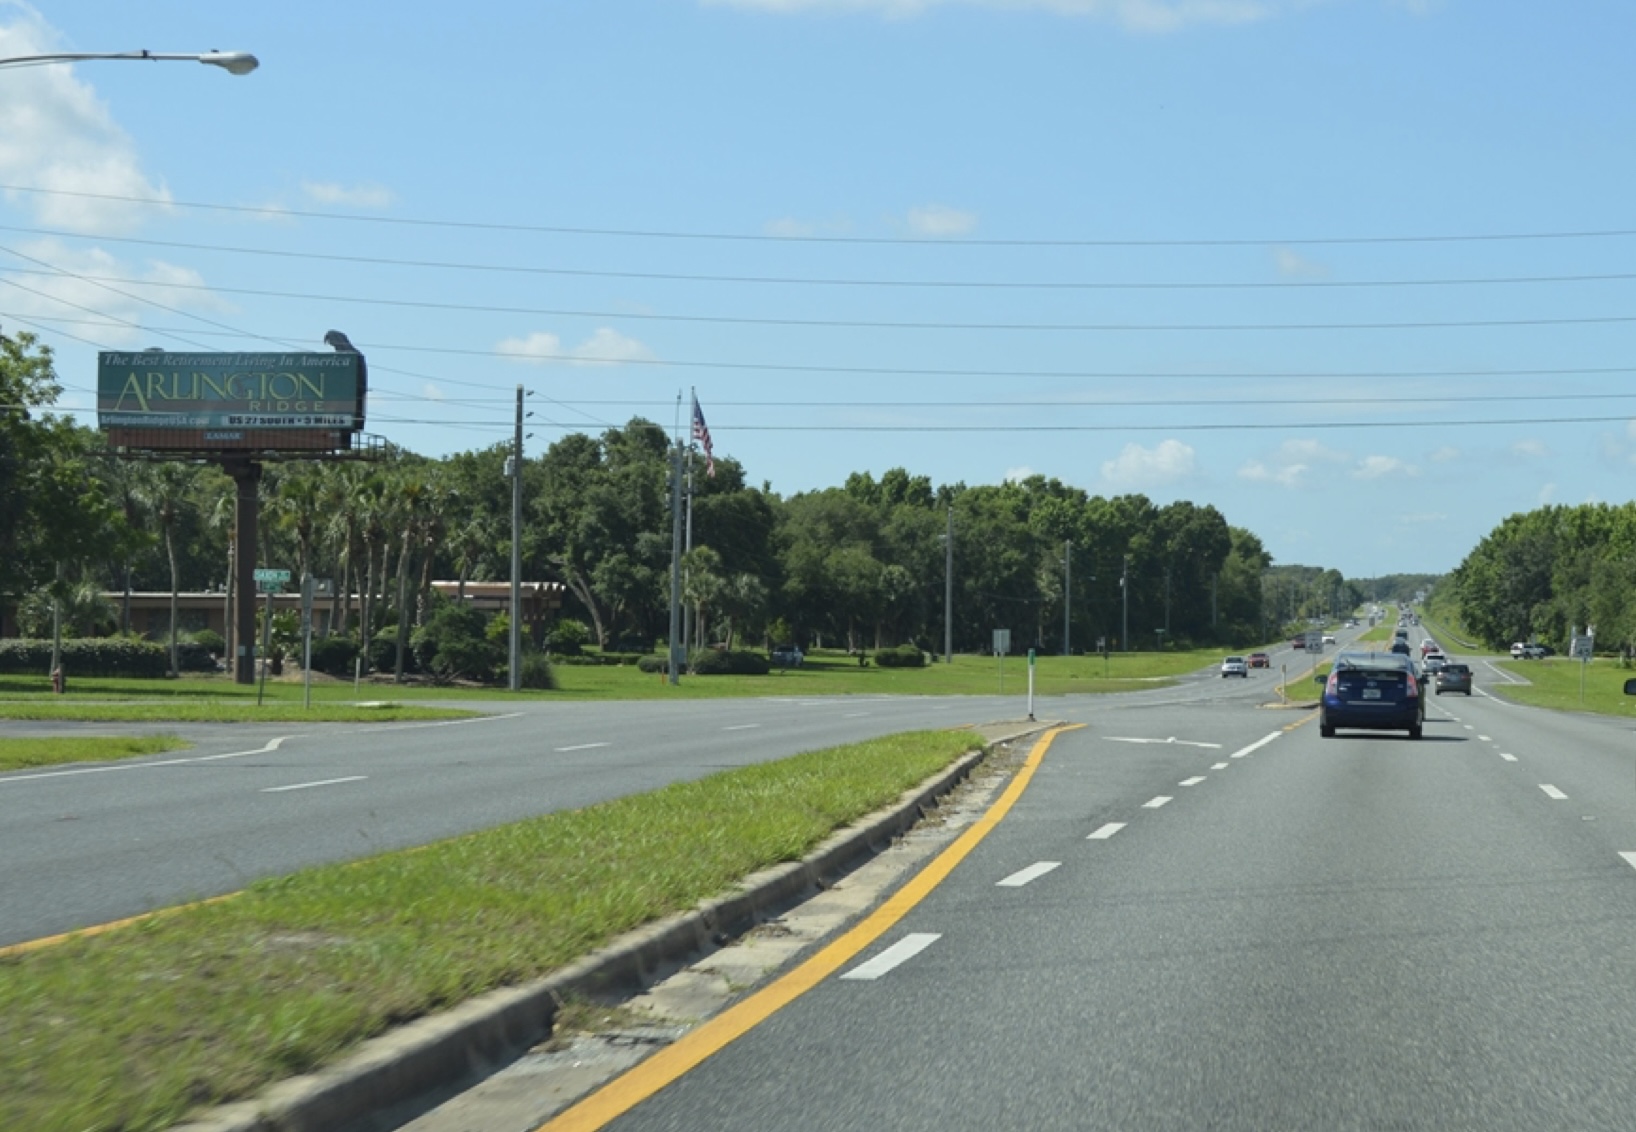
{"x": 23, "y": 753}
{"x": 133, "y": 1029}
{"x": 826, "y": 673}
{"x": 1567, "y": 685}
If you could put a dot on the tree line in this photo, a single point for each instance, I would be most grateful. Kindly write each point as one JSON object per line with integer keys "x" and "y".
{"x": 1541, "y": 574}
{"x": 861, "y": 565}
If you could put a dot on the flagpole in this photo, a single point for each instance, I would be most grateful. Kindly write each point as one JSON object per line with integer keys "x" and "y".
{"x": 689, "y": 612}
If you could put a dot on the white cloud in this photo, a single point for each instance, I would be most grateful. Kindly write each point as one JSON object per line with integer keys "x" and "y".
{"x": 1291, "y": 464}
{"x": 50, "y": 280}
{"x": 1133, "y": 15}
{"x": 605, "y": 347}
{"x": 941, "y": 220}
{"x": 1292, "y": 263}
{"x": 357, "y": 196}
{"x": 1017, "y": 475}
{"x": 791, "y": 228}
{"x": 1546, "y": 494}
{"x": 1137, "y": 468}
{"x": 55, "y": 134}
{"x": 1530, "y": 449}
{"x": 431, "y": 392}
{"x": 1378, "y": 467}
{"x": 1445, "y": 455}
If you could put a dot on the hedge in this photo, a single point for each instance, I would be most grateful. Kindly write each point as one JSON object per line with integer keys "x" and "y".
{"x": 102, "y": 656}
{"x": 724, "y": 662}
{"x": 904, "y": 656}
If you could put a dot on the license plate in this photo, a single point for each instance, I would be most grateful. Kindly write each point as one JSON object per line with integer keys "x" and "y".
{"x": 1371, "y": 693}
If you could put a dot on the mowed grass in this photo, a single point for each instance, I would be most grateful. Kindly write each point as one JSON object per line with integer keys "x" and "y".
{"x": 134, "y": 1028}
{"x": 219, "y": 700}
{"x": 1555, "y": 683}
{"x": 22, "y": 753}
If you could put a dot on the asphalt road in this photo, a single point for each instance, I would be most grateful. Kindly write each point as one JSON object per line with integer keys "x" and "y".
{"x": 1363, "y": 932}
{"x": 88, "y": 845}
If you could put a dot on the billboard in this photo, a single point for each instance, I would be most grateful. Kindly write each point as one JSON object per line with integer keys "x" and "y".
{"x": 159, "y": 400}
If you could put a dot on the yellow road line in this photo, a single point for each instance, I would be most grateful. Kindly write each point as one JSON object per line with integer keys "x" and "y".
{"x": 631, "y": 1089}
{"x": 99, "y": 929}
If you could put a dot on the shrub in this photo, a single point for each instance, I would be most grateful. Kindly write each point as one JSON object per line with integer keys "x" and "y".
{"x": 568, "y": 637}
{"x": 537, "y": 673}
{"x": 334, "y": 656}
{"x": 209, "y": 640}
{"x": 652, "y": 664}
{"x": 728, "y": 662}
{"x": 454, "y": 644}
{"x": 904, "y": 656}
{"x": 192, "y": 656}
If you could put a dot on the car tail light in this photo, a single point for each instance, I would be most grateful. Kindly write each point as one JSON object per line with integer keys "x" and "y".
{"x": 1411, "y": 684}
{"x": 1333, "y": 687}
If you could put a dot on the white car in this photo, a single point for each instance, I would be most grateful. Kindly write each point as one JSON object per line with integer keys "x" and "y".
{"x": 1329, "y": 638}
{"x": 1235, "y": 666}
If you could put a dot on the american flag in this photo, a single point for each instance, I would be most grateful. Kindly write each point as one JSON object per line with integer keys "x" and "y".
{"x": 701, "y": 433}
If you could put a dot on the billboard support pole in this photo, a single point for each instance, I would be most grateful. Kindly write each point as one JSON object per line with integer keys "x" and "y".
{"x": 247, "y": 481}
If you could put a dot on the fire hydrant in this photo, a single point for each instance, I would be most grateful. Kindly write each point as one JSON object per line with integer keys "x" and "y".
{"x": 58, "y": 683}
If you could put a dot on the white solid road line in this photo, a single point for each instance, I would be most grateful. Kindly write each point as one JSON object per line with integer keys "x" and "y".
{"x": 271, "y": 746}
{"x": 1553, "y": 792}
{"x": 1031, "y": 873}
{"x": 1508, "y": 757}
{"x": 310, "y": 785}
{"x": 899, "y": 953}
{"x": 1630, "y": 859}
{"x": 1194, "y": 781}
{"x": 581, "y": 747}
{"x": 1155, "y": 803}
{"x": 1106, "y": 831}
{"x": 1255, "y": 746}
{"x": 741, "y": 727}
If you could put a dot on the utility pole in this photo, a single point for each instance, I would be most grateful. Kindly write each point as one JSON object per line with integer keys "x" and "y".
{"x": 1124, "y": 613}
{"x": 514, "y": 664}
{"x": 688, "y": 612}
{"x": 675, "y": 561}
{"x": 1067, "y": 552}
{"x": 948, "y": 589}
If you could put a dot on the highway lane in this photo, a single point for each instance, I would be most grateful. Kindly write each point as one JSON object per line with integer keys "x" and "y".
{"x": 83, "y": 846}
{"x": 1354, "y": 933}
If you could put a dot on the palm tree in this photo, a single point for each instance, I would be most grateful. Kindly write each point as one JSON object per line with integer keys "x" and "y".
{"x": 164, "y": 490}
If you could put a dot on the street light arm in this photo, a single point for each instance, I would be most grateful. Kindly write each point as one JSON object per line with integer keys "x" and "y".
{"x": 233, "y": 62}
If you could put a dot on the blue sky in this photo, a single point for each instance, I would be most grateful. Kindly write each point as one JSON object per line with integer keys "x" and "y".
{"x": 1359, "y": 273}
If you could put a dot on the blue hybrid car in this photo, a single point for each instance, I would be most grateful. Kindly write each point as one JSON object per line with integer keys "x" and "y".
{"x": 1372, "y": 691}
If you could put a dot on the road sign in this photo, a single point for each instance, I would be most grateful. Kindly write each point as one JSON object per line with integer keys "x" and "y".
{"x": 1582, "y": 647}
{"x": 1314, "y": 641}
{"x": 272, "y": 575}
{"x": 1002, "y": 642}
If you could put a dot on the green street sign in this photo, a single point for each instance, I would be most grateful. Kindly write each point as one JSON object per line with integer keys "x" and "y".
{"x": 272, "y": 576}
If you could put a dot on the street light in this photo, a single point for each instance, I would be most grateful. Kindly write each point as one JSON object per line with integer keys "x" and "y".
{"x": 233, "y": 62}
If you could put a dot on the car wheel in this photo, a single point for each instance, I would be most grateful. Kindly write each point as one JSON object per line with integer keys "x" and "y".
{"x": 1325, "y": 731}
{"x": 1414, "y": 732}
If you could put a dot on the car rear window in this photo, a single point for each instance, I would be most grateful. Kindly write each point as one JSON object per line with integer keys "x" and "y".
{"x": 1457, "y": 668}
{"x": 1351, "y": 679}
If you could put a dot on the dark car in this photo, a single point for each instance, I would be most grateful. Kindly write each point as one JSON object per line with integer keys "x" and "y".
{"x": 1453, "y": 678}
{"x": 1372, "y": 691}
{"x": 1401, "y": 648}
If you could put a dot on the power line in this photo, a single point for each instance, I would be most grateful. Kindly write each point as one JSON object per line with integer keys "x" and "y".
{"x": 741, "y": 237}
{"x": 787, "y": 280}
{"x": 1018, "y": 327}
{"x": 938, "y": 372}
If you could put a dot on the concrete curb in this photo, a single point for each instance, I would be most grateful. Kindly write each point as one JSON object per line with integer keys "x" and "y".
{"x": 440, "y": 1052}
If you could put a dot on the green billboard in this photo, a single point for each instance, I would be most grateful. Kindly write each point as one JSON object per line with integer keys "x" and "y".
{"x": 159, "y": 399}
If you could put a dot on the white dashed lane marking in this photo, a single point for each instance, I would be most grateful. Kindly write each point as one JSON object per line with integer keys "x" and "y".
{"x": 1510, "y": 758}
{"x": 1031, "y": 873}
{"x": 1106, "y": 831}
{"x": 899, "y": 953}
{"x": 1155, "y": 803}
{"x": 1553, "y": 792}
{"x": 741, "y": 727}
{"x": 1221, "y": 766}
{"x": 582, "y": 747}
{"x": 310, "y": 785}
{"x": 1630, "y": 859}
{"x": 1194, "y": 781}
